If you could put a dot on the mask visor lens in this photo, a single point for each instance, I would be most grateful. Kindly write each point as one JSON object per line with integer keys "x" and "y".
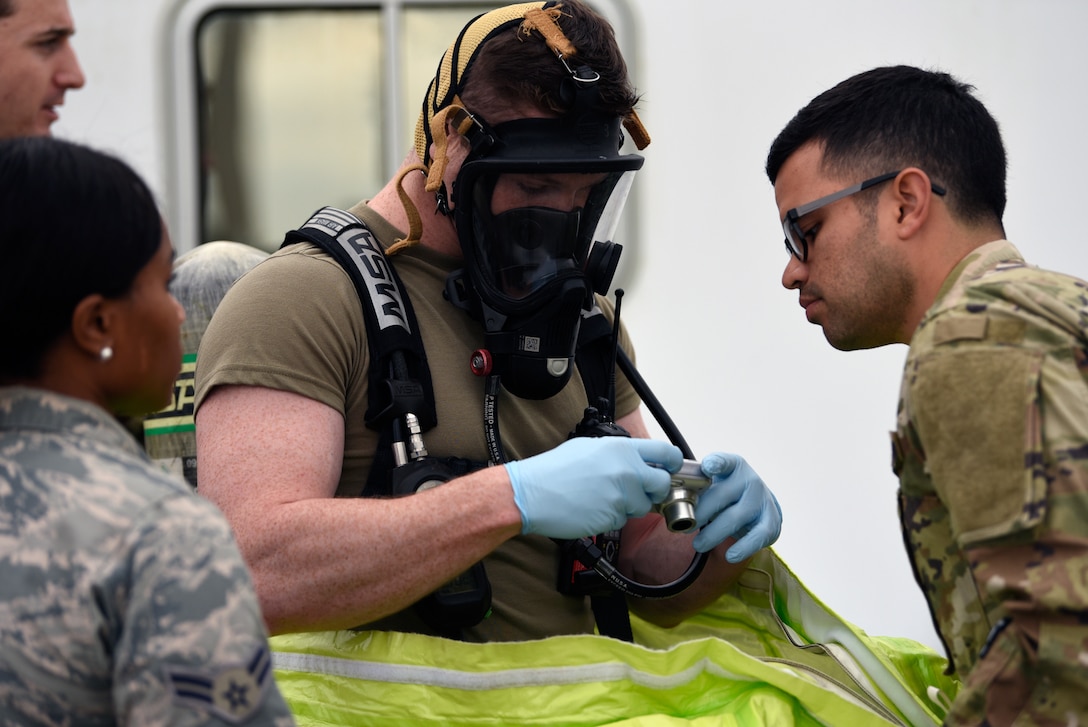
{"x": 532, "y": 227}
{"x": 605, "y": 205}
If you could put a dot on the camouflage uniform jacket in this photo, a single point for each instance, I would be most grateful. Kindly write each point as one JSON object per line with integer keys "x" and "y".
{"x": 123, "y": 596}
{"x": 991, "y": 450}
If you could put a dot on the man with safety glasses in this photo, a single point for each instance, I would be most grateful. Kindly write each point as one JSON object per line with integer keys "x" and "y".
{"x": 891, "y": 191}
{"x": 499, "y": 226}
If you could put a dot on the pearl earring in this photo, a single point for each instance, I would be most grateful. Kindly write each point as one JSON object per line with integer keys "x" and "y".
{"x": 105, "y": 354}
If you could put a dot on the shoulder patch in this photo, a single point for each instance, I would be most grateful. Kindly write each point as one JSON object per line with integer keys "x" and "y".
{"x": 1007, "y": 330}
{"x": 960, "y": 328}
{"x": 233, "y": 692}
{"x": 979, "y": 328}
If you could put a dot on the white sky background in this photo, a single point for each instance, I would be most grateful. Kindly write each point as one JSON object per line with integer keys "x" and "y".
{"x": 726, "y": 349}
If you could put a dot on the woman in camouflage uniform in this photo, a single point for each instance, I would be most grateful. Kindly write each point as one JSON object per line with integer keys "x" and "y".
{"x": 123, "y": 596}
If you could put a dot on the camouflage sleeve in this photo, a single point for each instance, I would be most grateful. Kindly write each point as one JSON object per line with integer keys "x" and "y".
{"x": 1002, "y": 417}
{"x": 193, "y": 649}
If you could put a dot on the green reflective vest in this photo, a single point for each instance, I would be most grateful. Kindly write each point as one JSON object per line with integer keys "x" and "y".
{"x": 766, "y": 653}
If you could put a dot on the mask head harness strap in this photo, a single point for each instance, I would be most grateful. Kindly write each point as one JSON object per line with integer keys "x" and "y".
{"x": 544, "y": 21}
{"x": 442, "y": 104}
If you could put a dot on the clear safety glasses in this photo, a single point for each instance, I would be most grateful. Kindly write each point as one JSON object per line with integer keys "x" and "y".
{"x": 796, "y": 239}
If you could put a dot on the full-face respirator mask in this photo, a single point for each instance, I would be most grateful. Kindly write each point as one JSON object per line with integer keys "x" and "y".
{"x": 535, "y": 202}
{"x": 535, "y": 209}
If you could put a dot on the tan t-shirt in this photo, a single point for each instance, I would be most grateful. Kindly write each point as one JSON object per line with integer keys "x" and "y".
{"x": 294, "y": 323}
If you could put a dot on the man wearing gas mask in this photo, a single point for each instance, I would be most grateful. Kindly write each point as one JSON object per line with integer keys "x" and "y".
{"x": 497, "y": 226}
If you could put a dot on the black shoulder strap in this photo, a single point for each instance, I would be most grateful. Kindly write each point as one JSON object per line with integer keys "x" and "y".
{"x": 399, "y": 377}
{"x": 593, "y": 356}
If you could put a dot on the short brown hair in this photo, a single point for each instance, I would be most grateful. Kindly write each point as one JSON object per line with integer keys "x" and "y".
{"x": 514, "y": 65}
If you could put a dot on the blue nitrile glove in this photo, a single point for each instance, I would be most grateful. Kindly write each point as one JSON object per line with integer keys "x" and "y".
{"x": 591, "y": 485}
{"x": 736, "y": 504}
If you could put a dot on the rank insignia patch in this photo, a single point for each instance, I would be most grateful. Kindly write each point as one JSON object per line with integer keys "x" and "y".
{"x": 232, "y": 692}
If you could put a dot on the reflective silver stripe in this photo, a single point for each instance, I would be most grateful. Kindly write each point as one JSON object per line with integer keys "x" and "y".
{"x": 479, "y": 681}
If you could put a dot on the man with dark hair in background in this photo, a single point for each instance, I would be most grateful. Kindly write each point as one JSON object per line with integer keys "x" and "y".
{"x": 37, "y": 64}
